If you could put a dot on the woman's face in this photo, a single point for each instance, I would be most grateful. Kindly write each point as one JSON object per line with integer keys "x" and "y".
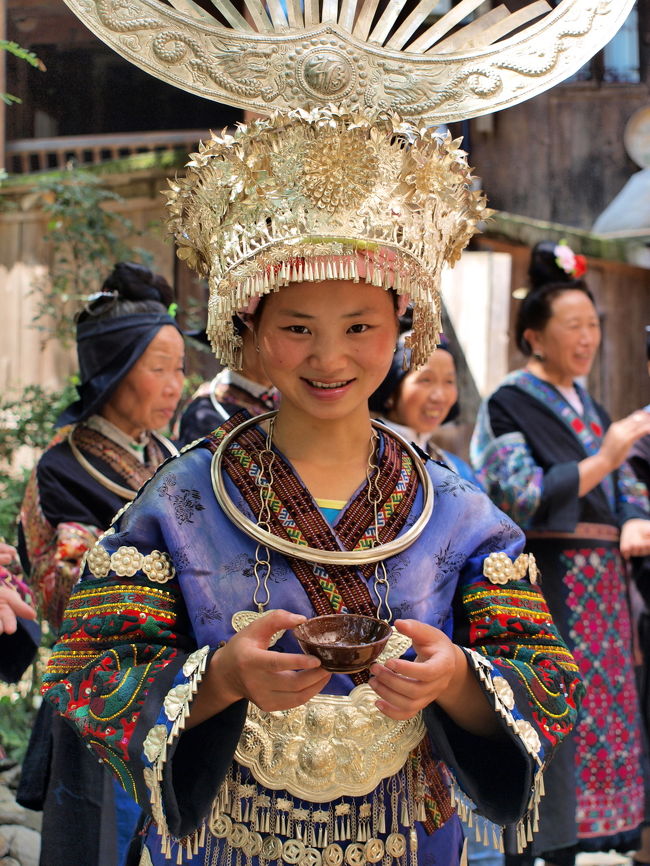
{"x": 570, "y": 339}
{"x": 148, "y": 395}
{"x": 327, "y": 346}
{"x": 425, "y": 396}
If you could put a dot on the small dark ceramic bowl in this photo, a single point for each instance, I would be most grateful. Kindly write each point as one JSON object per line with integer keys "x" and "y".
{"x": 345, "y": 643}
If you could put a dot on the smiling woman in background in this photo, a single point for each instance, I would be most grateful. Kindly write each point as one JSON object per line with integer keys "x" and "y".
{"x": 549, "y": 457}
{"x": 131, "y": 357}
{"x": 417, "y": 402}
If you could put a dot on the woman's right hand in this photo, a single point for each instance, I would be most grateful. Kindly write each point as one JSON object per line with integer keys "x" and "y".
{"x": 244, "y": 667}
{"x": 622, "y": 435}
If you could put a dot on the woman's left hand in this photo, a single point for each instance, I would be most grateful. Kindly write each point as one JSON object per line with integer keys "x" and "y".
{"x": 440, "y": 673}
{"x": 635, "y": 538}
{"x": 404, "y": 688}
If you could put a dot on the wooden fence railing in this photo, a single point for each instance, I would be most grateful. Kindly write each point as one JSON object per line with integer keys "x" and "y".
{"x": 26, "y": 155}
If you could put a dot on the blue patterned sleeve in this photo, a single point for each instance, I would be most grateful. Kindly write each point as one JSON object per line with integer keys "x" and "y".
{"x": 513, "y": 480}
{"x": 503, "y": 624}
{"x": 632, "y": 495}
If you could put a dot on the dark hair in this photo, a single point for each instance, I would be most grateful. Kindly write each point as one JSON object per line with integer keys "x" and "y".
{"x": 380, "y": 400}
{"x": 129, "y": 288}
{"x": 547, "y": 281}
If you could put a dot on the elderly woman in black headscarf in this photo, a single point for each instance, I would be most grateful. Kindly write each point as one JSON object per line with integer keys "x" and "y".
{"x": 131, "y": 357}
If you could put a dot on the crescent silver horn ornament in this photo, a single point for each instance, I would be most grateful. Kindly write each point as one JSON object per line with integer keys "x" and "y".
{"x": 280, "y": 55}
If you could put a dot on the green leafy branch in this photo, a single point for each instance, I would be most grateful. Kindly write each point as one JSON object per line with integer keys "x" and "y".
{"x": 23, "y": 54}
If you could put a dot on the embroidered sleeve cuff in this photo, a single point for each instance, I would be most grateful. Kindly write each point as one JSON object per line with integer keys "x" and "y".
{"x": 500, "y": 776}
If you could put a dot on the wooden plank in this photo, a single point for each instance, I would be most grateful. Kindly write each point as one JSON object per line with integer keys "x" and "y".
{"x": 294, "y": 11}
{"x": 232, "y": 16}
{"x": 330, "y": 10}
{"x": 189, "y": 7}
{"x": 444, "y": 25}
{"x": 312, "y": 13}
{"x": 278, "y": 16}
{"x": 364, "y": 21}
{"x": 516, "y": 19}
{"x": 254, "y": 8}
{"x": 347, "y": 15}
{"x": 482, "y": 32}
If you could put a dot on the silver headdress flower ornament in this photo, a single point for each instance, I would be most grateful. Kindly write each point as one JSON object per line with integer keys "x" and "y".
{"x": 313, "y": 196}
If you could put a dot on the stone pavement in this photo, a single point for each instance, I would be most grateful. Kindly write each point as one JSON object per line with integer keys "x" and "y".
{"x": 612, "y": 859}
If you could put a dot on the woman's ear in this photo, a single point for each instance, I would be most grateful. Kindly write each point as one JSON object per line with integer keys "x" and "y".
{"x": 532, "y": 340}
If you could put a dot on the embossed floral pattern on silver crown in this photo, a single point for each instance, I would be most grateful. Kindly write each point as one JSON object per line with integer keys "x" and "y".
{"x": 321, "y": 195}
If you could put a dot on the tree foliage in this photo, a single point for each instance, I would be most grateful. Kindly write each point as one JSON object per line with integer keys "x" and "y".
{"x": 88, "y": 235}
{"x": 23, "y": 54}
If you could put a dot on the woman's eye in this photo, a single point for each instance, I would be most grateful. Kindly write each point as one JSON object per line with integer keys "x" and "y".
{"x": 358, "y": 329}
{"x": 297, "y": 329}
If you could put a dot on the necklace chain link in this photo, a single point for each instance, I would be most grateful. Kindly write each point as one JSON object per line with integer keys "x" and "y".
{"x": 374, "y": 494}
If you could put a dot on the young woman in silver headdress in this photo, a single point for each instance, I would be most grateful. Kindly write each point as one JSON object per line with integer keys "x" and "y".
{"x": 178, "y": 662}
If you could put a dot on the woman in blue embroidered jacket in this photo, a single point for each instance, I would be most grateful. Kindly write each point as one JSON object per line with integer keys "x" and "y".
{"x": 177, "y": 661}
{"x": 548, "y": 456}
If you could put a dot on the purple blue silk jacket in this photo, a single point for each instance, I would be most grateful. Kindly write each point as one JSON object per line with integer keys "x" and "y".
{"x": 156, "y": 602}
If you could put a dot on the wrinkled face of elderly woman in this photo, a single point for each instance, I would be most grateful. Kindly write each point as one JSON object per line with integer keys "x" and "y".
{"x": 148, "y": 395}
{"x": 327, "y": 346}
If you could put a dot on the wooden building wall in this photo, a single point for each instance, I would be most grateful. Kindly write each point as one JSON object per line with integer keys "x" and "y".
{"x": 560, "y": 157}
{"x": 25, "y": 259}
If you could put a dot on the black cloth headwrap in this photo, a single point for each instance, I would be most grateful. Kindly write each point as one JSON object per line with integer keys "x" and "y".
{"x": 107, "y": 350}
